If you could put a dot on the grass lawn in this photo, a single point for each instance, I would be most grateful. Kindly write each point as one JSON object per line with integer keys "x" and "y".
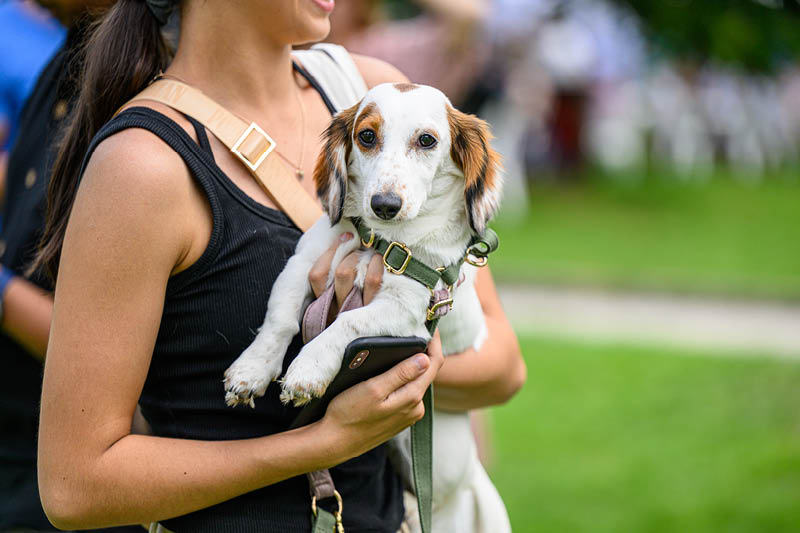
{"x": 620, "y": 439}
{"x": 721, "y": 237}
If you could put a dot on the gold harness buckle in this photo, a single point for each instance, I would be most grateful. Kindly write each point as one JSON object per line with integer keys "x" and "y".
{"x": 337, "y": 514}
{"x": 371, "y": 240}
{"x": 432, "y": 309}
{"x": 403, "y": 267}
{"x": 475, "y": 260}
{"x": 270, "y": 146}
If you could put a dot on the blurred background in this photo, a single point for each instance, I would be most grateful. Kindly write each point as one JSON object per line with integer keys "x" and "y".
{"x": 650, "y": 247}
{"x": 650, "y": 242}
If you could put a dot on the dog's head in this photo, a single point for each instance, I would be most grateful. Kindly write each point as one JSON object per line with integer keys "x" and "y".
{"x": 401, "y": 153}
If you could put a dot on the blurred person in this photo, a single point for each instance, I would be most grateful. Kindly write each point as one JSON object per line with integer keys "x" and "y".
{"x": 25, "y": 302}
{"x": 441, "y": 46}
{"x": 28, "y": 39}
{"x": 165, "y": 255}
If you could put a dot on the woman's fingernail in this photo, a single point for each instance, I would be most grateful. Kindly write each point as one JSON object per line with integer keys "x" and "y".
{"x": 346, "y": 236}
{"x": 422, "y": 362}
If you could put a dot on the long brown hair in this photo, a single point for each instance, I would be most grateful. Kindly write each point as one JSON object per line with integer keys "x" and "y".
{"x": 122, "y": 52}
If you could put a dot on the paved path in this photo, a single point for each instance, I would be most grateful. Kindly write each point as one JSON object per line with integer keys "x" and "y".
{"x": 737, "y": 327}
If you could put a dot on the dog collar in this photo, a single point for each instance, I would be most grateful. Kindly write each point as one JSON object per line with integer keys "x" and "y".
{"x": 398, "y": 259}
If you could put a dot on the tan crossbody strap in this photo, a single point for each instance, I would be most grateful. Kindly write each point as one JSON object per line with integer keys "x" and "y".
{"x": 246, "y": 141}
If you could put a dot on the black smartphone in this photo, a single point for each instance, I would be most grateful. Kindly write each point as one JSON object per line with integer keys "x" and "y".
{"x": 364, "y": 358}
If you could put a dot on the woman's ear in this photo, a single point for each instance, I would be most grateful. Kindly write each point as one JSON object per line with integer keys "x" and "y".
{"x": 471, "y": 150}
{"x": 330, "y": 174}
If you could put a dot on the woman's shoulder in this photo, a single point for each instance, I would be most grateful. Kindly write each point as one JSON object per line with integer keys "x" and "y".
{"x": 136, "y": 174}
{"x": 136, "y": 186}
{"x": 376, "y": 71}
{"x": 137, "y": 159}
{"x": 142, "y": 155}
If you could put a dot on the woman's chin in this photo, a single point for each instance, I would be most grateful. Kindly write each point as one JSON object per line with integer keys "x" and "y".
{"x": 313, "y": 31}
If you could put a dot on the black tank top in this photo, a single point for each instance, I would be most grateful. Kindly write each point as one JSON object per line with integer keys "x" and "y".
{"x": 212, "y": 311}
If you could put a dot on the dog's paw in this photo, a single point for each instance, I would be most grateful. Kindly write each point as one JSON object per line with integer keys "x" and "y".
{"x": 308, "y": 376}
{"x": 248, "y": 378}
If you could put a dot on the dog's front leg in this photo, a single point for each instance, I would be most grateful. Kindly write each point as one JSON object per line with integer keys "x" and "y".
{"x": 261, "y": 363}
{"x": 320, "y": 360}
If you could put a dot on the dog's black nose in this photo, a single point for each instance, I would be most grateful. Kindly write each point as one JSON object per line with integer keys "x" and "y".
{"x": 386, "y": 205}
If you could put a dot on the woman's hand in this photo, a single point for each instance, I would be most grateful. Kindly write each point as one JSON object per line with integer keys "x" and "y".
{"x": 372, "y": 412}
{"x": 345, "y": 275}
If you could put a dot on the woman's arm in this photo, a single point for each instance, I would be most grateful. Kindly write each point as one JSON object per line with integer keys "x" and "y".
{"x": 26, "y": 315}
{"x": 491, "y": 375}
{"x": 133, "y": 224}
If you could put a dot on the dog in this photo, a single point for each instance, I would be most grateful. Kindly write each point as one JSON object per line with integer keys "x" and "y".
{"x": 419, "y": 173}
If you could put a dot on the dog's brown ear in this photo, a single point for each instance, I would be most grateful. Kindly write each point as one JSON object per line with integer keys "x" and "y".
{"x": 472, "y": 152}
{"x": 330, "y": 174}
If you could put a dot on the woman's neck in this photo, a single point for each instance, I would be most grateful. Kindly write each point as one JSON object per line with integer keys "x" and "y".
{"x": 237, "y": 66}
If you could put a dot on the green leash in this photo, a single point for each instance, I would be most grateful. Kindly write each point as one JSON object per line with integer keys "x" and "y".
{"x": 324, "y": 522}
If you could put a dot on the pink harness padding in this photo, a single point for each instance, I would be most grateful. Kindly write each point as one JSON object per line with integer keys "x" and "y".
{"x": 315, "y": 318}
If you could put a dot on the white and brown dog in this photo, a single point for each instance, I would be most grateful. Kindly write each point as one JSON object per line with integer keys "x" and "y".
{"x": 418, "y": 172}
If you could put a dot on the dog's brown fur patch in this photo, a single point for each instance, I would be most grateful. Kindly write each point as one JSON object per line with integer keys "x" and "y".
{"x": 370, "y": 118}
{"x": 405, "y": 87}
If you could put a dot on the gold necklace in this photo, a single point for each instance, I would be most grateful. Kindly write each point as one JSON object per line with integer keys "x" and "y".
{"x": 298, "y": 169}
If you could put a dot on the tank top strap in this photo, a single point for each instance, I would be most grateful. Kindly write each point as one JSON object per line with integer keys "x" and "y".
{"x": 333, "y": 69}
{"x": 202, "y": 136}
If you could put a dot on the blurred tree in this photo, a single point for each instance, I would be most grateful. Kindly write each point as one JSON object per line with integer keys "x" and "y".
{"x": 759, "y": 35}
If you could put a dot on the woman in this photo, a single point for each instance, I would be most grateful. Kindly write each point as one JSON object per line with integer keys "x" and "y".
{"x": 165, "y": 271}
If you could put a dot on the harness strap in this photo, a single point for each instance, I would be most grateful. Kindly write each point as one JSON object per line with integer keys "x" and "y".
{"x": 398, "y": 259}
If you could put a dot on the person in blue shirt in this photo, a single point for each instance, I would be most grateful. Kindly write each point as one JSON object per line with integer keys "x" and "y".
{"x": 29, "y": 37}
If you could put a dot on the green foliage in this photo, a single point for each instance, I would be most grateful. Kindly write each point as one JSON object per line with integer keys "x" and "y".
{"x": 745, "y": 32}
{"x": 721, "y": 237}
{"x": 623, "y": 439}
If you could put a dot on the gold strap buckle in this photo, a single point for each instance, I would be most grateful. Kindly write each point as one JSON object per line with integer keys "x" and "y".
{"x": 403, "y": 267}
{"x": 371, "y": 240}
{"x": 337, "y": 514}
{"x": 432, "y": 309}
{"x": 476, "y": 261}
{"x": 270, "y": 146}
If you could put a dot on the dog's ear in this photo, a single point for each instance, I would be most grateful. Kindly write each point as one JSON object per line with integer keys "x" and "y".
{"x": 472, "y": 152}
{"x": 330, "y": 174}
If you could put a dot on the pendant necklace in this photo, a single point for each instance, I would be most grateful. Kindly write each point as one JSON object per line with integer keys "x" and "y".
{"x": 298, "y": 168}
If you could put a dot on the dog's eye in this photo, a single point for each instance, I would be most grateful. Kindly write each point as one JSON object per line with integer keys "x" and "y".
{"x": 426, "y": 141}
{"x": 367, "y": 136}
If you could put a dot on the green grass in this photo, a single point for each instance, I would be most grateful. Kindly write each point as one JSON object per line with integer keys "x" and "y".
{"x": 721, "y": 237}
{"x": 619, "y": 439}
